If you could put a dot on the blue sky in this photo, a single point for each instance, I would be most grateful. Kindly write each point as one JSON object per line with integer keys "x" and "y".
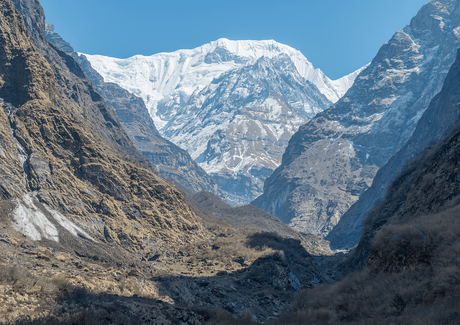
{"x": 337, "y": 36}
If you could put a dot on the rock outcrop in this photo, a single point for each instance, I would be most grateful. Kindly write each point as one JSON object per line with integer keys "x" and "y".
{"x": 69, "y": 171}
{"x": 334, "y": 158}
{"x": 440, "y": 116}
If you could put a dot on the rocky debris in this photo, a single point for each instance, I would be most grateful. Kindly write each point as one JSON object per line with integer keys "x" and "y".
{"x": 135, "y": 273}
{"x": 288, "y": 279}
{"x": 230, "y": 307}
{"x": 44, "y": 254}
{"x": 334, "y": 158}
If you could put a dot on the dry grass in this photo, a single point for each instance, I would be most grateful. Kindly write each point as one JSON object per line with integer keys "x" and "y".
{"x": 413, "y": 277}
{"x": 60, "y": 302}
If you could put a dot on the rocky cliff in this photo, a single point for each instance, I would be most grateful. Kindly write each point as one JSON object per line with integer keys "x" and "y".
{"x": 404, "y": 269}
{"x": 438, "y": 119}
{"x": 427, "y": 188}
{"x": 69, "y": 171}
{"x": 334, "y": 158}
{"x": 168, "y": 159}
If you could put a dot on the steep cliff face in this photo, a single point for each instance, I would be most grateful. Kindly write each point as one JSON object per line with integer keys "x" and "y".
{"x": 69, "y": 170}
{"x": 69, "y": 79}
{"x": 333, "y": 159}
{"x": 421, "y": 201}
{"x": 427, "y": 185}
{"x": 438, "y": 119}
{"x": 405, "y": 267}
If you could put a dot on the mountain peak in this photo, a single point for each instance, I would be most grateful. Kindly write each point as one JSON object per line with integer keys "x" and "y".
{"x": 181, "y": 73}
{"x": 254, "y": 49}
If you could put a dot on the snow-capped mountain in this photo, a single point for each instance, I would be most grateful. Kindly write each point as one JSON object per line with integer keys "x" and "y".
{"x": 174, "y": 77}
{"x": 238, "y": 126}
{"x": 233, "y": 105}
{"x": 334, "y": 158}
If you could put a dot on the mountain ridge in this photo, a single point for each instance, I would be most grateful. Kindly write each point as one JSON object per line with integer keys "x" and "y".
{"x": 160, "y": 83}
{"x": 237, "y": 127}
{"x": 333, "y": 159}
{"x": 168, "y": 159}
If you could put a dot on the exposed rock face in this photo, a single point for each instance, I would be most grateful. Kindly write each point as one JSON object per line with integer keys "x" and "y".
{"x": 438, "y": 119}
{"x": 168, "y": 159}
{"x": 233, "y": 105}
{"x": 426, "y": 183}
{"x": 426, "y": 191}
{"x": 333, "y": 159}
{"x": 68, "y": 168}
{"x": 237, "y": 127}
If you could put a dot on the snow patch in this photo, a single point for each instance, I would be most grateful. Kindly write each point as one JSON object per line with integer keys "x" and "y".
{"x": 29, "y": 220}
{"x": 457, "y": 32}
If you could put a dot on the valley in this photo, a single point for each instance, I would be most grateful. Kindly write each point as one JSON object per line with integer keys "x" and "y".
{"x": 232, "y": 183}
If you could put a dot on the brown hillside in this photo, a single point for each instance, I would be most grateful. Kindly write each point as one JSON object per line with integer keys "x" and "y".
{"x": 89, "y": 233}
{"x": 65, "y": 147}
